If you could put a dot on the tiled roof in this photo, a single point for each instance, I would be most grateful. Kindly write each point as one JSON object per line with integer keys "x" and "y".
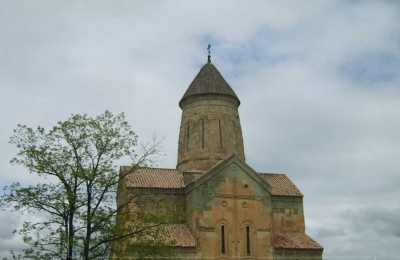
{"x": 181, "y": 235}
{"x": 170, "y": 178}
{"x": 176, "y": 235}
{"x": 154, "y": 178}
{"x": 209, "y": 81}
{"x": 295, "y": 241}
{"x": 281, "y": 185}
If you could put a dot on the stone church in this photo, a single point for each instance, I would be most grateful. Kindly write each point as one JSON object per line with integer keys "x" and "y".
{"x": 236, "y": 211}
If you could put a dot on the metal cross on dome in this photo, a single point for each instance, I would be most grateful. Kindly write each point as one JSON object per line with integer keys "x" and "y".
{"x": 209, "y": 53}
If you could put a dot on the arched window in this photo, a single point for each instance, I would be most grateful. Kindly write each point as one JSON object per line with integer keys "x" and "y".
{"x": 248, "y": 251}
{"x": 223, "y": 248}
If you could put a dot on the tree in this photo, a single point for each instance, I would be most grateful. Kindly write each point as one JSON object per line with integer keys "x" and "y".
{"x": 77, "y": 162}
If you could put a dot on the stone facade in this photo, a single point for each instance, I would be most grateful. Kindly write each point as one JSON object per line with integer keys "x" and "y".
{"x": 226, "y": 200}
{"x": 235, "y": 212}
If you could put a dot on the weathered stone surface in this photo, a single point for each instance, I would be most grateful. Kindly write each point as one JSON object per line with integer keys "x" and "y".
{"x": 288, "y": 214}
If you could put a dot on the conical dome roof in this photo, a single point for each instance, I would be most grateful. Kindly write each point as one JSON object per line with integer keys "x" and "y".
{"x": 209, "y": 81}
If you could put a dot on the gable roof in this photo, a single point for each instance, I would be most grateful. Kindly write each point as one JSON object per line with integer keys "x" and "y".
{"x": 164, "y": 178}
{"x": 294, "y": 241}
{"x": 281, "y": 185}
{"x": 209, "y": 81}
{"x": 234, "y": 161}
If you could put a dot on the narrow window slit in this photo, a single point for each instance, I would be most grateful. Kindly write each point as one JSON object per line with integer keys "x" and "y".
{"x": 202, "y": 133}
{"x": 222, "y": 239}
{"x": 234, "y": 136}
{"x": 220, "y": 132}
{"x": 247, "y": 240}
{"x": 187, "y": 137}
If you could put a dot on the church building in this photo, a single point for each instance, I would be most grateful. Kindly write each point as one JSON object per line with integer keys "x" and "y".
{"x": 236, "y": 212}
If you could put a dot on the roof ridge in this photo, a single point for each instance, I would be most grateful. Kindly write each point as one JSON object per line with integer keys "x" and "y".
{"x": 272, "y": 173}
{"x": 150, "y": 167}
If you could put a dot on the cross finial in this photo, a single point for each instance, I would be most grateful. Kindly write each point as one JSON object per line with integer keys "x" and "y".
{"x": 209, "y": 53}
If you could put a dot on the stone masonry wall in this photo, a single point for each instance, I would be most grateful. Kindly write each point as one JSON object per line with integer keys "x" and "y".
{"x": 148, "y": 199}
{"x": 210, "y": 131}
{"x": 292, "y": 254}
{"x": 288, "y": 214}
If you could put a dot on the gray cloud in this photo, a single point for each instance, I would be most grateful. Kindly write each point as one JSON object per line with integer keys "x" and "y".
{"x": 8, "y": 240}
{"x": 370, "y": 232}
{"x": 318, "y": 83}
{"x": 325, "y": 232}
{"x": 379, "y": 220}
{"x": 10, "y": 223}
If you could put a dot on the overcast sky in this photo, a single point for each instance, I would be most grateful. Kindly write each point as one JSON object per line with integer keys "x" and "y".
{"x": 319, "y": 84}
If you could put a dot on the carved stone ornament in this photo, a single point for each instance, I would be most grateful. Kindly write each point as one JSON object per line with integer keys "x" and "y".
{"x": 224, "y": 203}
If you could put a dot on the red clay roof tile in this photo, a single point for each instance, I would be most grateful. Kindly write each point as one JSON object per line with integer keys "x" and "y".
{"x": 154, "y": 178}
{"x": 295, "y": 241}
{"x": 181, "y": 235}
{"x": 281, "y": 185}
